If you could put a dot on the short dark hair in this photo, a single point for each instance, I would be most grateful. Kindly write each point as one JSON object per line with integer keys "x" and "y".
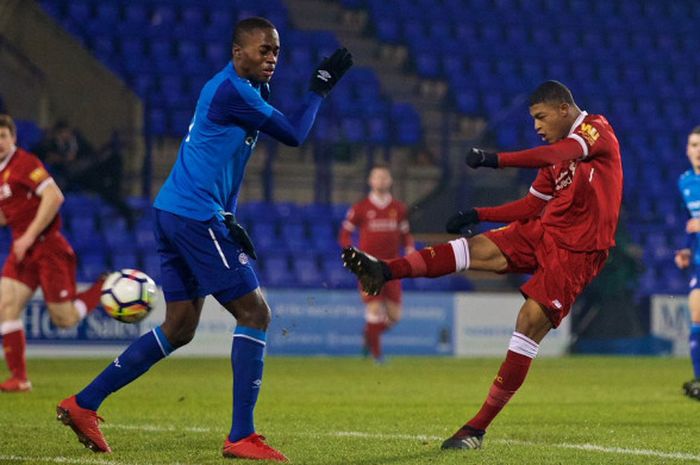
{"x": 7, "y": 122}
{"x": 246, "y": 26}
{"x": 380, "y": 165}
{"x": 551, "y": 92}
{"x": 696, "y": 130}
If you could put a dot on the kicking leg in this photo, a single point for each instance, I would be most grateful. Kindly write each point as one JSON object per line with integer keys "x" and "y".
{"x": 476, "y": 253}
{"x": 531, "y": 327}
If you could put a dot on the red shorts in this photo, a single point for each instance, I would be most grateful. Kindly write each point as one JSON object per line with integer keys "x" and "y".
{"x": 49, "y": 263}
{"x": 390, "y": 291}
{"x": 558, "y": 275}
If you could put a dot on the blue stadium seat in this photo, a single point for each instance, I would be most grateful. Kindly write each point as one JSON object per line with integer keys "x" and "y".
{"x": 277, "y": 273}
{"x": 29, "y": 134}
{"x": 306, "y": 270}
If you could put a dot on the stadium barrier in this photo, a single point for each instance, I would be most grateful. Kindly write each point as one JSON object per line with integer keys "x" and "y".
{"x": 313, "y": 322}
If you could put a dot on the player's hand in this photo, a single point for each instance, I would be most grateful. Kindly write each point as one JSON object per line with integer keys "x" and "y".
{"x": 21, "y": 245}
{"x": 682, "y": 258}
{"x": 693, "y": 225}
{"x": 463, "y": 222}
{"x": 330, "y": 71}
{"x": 478, "y": 157}
{"x": 240, "y": 235}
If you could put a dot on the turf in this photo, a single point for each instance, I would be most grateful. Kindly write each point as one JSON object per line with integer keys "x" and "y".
{"x": 575, "y": 410}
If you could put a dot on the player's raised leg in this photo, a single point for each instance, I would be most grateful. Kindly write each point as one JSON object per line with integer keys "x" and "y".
{"x": 14, "y": 296}
{"x": 475, "y": 253}
{"x": 531, "y": 327}
{"x": 247, "y": 359}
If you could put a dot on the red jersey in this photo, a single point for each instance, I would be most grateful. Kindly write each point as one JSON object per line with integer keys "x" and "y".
{"x": 583, "y": 196}
{"x": 22, "y": 179}
{"x": 383, "y": 227}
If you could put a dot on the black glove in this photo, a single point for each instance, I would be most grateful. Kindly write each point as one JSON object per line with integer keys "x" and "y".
{"x": 477, "y": 157}
{"x": 463, "y": 222}
{"x": 330, "y": 71}
{"x": 240, "y": 235}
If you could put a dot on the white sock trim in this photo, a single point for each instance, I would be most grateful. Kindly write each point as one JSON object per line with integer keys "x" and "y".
{"x": 11, "y": 326}
{"x": 80, "y": 307}
{"x": 523, "y": 345}
{"x": 460, "y": 248}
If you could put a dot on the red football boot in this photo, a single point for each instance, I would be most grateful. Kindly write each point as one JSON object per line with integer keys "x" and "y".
{"x": 16, "y": 385}
{"x": 252, "y": 447}
{"x": 85, "y": 424}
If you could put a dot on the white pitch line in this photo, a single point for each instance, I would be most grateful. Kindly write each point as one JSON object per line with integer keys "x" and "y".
{"x": 420, "y": 437}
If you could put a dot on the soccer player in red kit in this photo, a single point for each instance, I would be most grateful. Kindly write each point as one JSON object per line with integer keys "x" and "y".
{"x": 383, "y": 230}
{"x": 39, "y": 256}
{"x": 560, "y": 233}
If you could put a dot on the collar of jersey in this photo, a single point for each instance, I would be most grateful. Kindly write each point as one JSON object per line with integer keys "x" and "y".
{"x": 578, "y": 121}
{"x": 6, "y": 161}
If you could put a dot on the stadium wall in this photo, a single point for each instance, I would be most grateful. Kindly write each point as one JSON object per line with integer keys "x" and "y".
{"x": 313, "y": 322}
{"x": 79, "y": 89}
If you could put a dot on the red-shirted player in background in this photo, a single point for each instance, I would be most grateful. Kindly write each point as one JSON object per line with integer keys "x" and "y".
{"x": 39, "y": 255}
{"x": 560, "y": 232}
{"x": 383, "y": 229}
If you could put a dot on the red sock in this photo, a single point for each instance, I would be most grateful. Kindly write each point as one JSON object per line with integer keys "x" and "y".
{"x": 14, "y": 344}
{"x": 373, "y": 332}
{"x": 430, "y": 262}
{"x": 510, "y": 378}
{"x": 91, "y": 295}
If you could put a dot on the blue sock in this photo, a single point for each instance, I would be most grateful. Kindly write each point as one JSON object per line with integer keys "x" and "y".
{"x": 132, "y": 363}
{"x": 247, "y": 356}
{"x": 694, "y": 340}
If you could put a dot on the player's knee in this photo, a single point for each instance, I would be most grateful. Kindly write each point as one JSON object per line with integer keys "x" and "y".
{"x": 257, "y": 316}
{"x": 181, "y": 337}
{"x": 64, "y": 319}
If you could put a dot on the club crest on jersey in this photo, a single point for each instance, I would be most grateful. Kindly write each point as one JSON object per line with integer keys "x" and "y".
{"x": 243, "y": 258}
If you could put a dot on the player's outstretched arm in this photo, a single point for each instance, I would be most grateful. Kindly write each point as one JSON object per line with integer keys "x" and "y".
{"x": 538, "y": 157}
{"x": 293, "y": 131}
{"x": 521, "y": 209}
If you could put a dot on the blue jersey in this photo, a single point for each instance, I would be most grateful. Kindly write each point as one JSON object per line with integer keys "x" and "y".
{"x": 207, "y": 175}
{"x": 689, "y": 185}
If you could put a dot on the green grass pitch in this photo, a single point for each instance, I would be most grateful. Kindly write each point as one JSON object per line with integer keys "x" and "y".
{"x": 574, "y": 410}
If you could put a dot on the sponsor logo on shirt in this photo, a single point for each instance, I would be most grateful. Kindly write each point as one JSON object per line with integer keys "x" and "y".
{"x": 589, "y": 133}
{"x": 38, "y": 175}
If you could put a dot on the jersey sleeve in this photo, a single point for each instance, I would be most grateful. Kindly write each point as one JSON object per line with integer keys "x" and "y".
{"x": 35, "y": 176}
{"x": 590, "y": 135}
{"x": 543, "y": 186}
{"x": 239, "y": 104}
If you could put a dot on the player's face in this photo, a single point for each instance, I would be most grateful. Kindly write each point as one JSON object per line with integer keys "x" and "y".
{"x": 552, "y": 121}
{"x": 693, "y": 151}
{"x": 7, "y": 142}
{"x": 380, "y": 180}
{"x": 256, "y": 57}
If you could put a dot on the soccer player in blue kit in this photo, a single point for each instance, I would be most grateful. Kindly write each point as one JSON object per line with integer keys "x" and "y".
{"x": 203, "y": 250}
{"x": 689, "y": 185}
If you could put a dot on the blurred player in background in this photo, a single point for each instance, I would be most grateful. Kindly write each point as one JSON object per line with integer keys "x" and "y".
{"x": 560, "y": 232}
{"x": 383, "y": 231}
{"x": 203, "y": 250}
{"x": 39, "y": 255}
{"x": 689, "y": 185}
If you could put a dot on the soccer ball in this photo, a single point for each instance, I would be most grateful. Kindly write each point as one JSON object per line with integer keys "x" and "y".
{"x": 128, "y": 295}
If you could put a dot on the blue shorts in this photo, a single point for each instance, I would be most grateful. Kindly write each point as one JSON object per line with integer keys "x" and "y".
{"x": 200, "y": 258}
